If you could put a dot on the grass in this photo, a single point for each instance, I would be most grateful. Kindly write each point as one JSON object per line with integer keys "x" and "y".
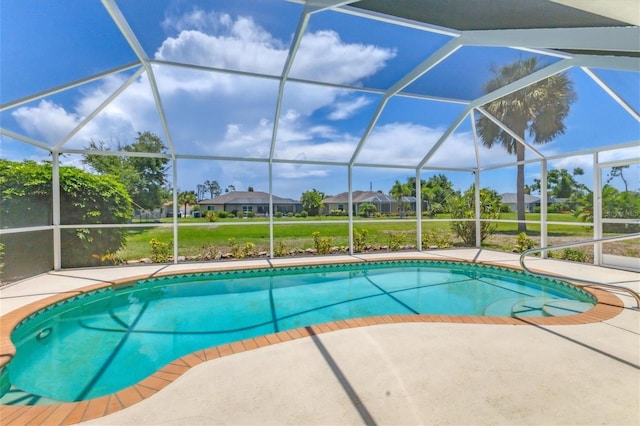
{"x": 295, "y": 233}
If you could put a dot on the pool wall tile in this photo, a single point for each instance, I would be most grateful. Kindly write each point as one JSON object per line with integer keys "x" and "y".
{"x": 237, "y": 347}
{"x": 145, "y": 391}
{"x": 212, "y": 353}
{"x": 249, "y": 344}
{"x": 8, "y": 413}
{"x": 129, "y": 396}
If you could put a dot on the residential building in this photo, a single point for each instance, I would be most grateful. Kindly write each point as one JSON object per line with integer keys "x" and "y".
{"x": 383, "y": 202}
{"x": 243, "y": 202}
{"x": 511, "y": 199}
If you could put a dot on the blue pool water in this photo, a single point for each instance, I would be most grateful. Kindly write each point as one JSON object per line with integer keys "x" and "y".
{"x": 109, "y": 339}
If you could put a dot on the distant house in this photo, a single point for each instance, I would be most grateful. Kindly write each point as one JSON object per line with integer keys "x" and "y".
{"x": 558, "y": 204}
{"x": 383, "y": 202}
{"x": 243, "y": 202}
{"x": 530, "y": 201}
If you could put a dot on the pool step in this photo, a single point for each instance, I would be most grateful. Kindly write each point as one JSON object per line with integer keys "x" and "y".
{"x": 533, "y": 306}
{"x": 566, "y": 307}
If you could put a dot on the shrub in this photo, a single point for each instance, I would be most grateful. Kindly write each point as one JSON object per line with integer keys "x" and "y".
{"x": 251, "y": 214}
{"x": 321, "y": 244}
{"x": 304, "y": 213}
{"x": 209, "y": 253}
{"x": 359, "y": 239}
{"x": 396, "y": 239}
{"x": 573, "y": 254}
{"x": 463, "y": 207}
{"x": 109, "y": 259}
{"x": 25, "y": 200}
{"x": 247, "y": 250}
{"x": 279, "y": 214}
{"x": 367, "y": 210}
{"x": 211, "y": 216}
{"x": 159, "y": 250}
{"x": 438, "y": 238}
{"x": 523, "y": 242}
{"x": 236, "y": 251}
{"x": 280, "y": 249}
{"x": 289, "y": 214}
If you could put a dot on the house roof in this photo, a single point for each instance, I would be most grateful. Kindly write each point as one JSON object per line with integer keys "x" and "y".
{"x": 246, "y": 197}
{"x": 511, "y": 198}
{"x": 365, "y": 197}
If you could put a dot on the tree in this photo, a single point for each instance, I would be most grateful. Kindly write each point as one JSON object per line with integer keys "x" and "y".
{"x": 436, "y": 193}
{"x": 463, "y": 207}
{"x": 213, "y": 187}
{"x": 367, "y": 210}
{"x": 398, "y": 192}
{"x": 617, "y": 172}
{"x": 615, "y": 205}
{"x": 143, "y": 177}
{"x": 202, "y": 190}
{"x": 230, "y": 188}
{"x": 187, "y": 198}
{"x": 312, "y": 201}
{"x": 561, "y": 183}
{"x": 539, "y": 110}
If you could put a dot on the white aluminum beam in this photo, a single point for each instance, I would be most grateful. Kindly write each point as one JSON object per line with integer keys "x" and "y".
{"x": 477, "y": 213}
{"x": 597, "y": 209}
{"x": 613, "y": 94}
{"x": 614, "y": 39}
{"x": 130, "y": 37}
{"x": 476, "y": 146}
{"x": 25, "y": 139}
{"x": 509, "y": 131}
{"x": 619, "y": 63}
{"x": 116, "y": 153}
{"x": 456, "y": 123}
{"x": 67, "y": 86}
{"x": 433, "y": 60}
{"x": 543, "y": 207}
{"x": 55, "y": 206}
{"x": 532, "y": 78}
{"x": 100, "y": 108}
{"x": 175, "y": 206}
{"x": 293, "y": 49}
{"x": 418, "y": 210}
{"x": 311, "y": 7}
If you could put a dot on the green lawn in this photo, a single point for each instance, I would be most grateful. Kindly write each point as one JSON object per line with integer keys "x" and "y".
{"x": 294, "y": 234}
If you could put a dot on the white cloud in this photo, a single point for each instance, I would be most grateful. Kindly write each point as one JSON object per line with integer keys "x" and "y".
{"x": 323, "y": 56}
{"x": 345, "y": 109}
{"x": 46, "y": 121}
{"x": 399, "y": 143}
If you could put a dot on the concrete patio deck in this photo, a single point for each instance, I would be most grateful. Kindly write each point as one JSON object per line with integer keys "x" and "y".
{"x": 406, "y": 373}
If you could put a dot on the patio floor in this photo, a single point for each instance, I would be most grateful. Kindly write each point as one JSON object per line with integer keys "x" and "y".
{"x": 397, "y": 373}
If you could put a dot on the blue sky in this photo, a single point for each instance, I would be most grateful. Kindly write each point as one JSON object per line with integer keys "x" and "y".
{"x": 46, "y": 44}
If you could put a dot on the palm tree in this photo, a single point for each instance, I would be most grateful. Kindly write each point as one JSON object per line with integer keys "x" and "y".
{"x": 398, "y": 192}
{"x": 187, "y": 198}
{"x": 538, "y": 110}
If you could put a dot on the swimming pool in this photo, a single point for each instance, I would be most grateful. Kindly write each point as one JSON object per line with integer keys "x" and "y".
{"x": 102, "y": 341}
